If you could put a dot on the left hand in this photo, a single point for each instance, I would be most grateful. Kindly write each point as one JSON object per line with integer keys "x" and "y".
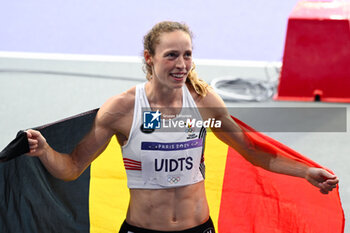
{"x": 322, "y": 179}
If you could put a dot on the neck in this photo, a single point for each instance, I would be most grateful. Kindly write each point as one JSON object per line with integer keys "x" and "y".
{"x": 163, "y": 96}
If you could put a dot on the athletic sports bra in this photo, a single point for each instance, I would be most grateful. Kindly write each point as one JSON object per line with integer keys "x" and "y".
{"x": 170, "y": 155}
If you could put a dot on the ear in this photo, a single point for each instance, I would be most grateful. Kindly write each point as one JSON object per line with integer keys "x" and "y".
{"x": 148, "y": 57}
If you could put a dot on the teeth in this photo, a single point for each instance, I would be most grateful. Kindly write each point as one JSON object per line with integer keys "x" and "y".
{"x": 177, "y": 75}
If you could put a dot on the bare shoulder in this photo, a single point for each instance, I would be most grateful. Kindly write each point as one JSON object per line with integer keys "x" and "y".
{"x": 211, "y": 105}
{"x": 211, "y": 99}
{"x": 117, "y": 108}
{"x": 120, "y": 103}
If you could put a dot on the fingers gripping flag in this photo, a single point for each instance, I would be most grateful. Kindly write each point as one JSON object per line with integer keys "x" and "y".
{"x": 34, "y": 201}
{"x": 242, "y": 198}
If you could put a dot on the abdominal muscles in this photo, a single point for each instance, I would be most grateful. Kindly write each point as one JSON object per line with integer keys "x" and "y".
{"x": 171, "y": 209}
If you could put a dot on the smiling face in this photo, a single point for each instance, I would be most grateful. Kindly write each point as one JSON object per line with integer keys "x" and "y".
{"x": 172, "y": 60}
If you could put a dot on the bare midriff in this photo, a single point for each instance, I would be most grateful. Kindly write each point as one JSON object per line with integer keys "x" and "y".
{"x": 172, "y": 209}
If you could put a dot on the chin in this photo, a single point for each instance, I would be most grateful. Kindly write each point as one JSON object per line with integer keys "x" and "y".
{"x": 179, "y": 84}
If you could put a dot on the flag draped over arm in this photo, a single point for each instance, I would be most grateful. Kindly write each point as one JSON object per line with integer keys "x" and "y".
{"x": 259, "y": 201}
{"x": 242, "y": 198}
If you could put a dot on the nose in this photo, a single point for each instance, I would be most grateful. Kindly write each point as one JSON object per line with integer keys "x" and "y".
{"x": 181, "y": 64}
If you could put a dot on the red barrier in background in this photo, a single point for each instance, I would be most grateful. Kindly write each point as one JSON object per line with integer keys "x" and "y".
{"x": 316, "y": 61}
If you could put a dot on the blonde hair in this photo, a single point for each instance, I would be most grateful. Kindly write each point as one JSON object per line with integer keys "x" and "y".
{"x": 152, "y": 38}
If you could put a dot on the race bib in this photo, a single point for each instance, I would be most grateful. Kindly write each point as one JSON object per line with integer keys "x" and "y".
{"x": 171, "y": 164}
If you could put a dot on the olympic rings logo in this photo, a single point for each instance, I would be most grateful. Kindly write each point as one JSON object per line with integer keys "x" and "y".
{"x": 173, "y": 180}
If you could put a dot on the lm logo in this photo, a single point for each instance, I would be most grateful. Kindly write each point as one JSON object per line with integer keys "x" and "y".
{"x": 151, "y": 120}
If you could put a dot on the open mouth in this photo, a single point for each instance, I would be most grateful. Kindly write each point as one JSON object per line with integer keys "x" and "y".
{"x": 178, "y": 76}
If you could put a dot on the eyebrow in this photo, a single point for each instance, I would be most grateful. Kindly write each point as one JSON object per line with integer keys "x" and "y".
{"x": 176, "y": 51}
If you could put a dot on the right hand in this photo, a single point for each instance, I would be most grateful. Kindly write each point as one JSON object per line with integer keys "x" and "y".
{"x": 322, "y": 179}
{"x": 37, "y": 143}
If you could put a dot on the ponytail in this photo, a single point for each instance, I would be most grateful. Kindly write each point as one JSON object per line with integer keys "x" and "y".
{"x": 199, "y": 85}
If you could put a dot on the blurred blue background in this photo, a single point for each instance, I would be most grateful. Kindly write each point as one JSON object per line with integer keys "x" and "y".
{"x": 223, "y": 29}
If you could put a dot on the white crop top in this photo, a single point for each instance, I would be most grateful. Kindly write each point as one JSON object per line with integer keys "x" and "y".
{"x": 169, "y": 156}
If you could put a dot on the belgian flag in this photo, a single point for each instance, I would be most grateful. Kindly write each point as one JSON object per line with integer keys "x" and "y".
{"x": 242, "y": 198}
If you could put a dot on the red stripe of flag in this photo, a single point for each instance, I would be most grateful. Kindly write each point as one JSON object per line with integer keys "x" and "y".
{"x": 259, "y": 201}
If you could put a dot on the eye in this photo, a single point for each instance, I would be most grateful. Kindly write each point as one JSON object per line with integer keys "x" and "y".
{"x": 188, "y": 54}
{"x": 171, "y": 55}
